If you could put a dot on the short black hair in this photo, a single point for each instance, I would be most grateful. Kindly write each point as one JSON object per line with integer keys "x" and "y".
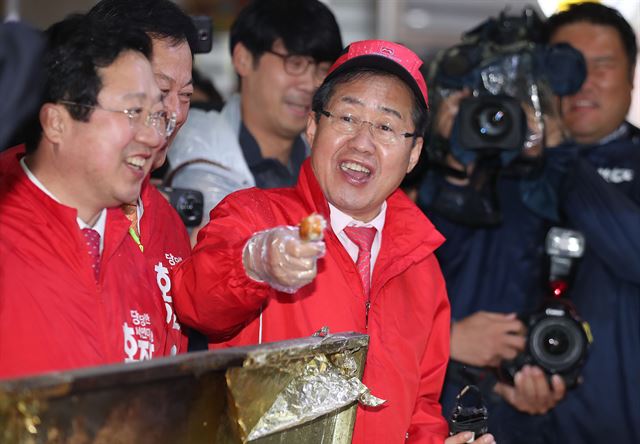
{"x": 306, "y": 27}
{"x": 596, "y": 14}
{"x": 76, "y": 48}
{"x": 161, "y": 19}
{"x": 419, "y": 114}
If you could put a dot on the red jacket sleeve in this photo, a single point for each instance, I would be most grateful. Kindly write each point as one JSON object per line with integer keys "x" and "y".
{"x": 427, "y": 423}
{"x": 213, "y": 293}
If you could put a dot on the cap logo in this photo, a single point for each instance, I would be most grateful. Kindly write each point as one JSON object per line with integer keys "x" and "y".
{"x": 387, "y": 51}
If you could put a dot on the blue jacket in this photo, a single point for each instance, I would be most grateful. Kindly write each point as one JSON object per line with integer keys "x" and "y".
{"x": 601, "y": 198}
{"x": 498, "y": 269}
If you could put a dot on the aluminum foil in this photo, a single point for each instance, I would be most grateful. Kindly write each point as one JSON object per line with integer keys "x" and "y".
{"x": 323, "y": 386}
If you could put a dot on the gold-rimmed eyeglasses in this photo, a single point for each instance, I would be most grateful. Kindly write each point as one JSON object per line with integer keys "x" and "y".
{"x": 382, "y": 132}
{"x": 163, "y": 122}
{"x": 296, "y": 65}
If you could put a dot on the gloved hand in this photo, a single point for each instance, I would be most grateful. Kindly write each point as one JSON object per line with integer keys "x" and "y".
{"x": 281, "y": 259}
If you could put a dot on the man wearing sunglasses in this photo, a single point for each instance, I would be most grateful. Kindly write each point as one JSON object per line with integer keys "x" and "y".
{"x": 74, "y": 291}
{"x": 281, "y": 51}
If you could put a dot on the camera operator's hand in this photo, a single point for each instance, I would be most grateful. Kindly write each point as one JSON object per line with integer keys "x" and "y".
{"x": 445, "y": 116}
{"x": 531, "y": 392}
{"x": 484, "y": 339}
{"x": 280, "y": 258}
{"x": 543, "y": 132}
{"x": 555, "y": 131}
{"x": 464, "y": 437}
{"x": 447, "y": 112}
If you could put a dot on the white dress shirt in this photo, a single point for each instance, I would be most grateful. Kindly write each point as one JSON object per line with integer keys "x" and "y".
{"x": 340, "y": 220}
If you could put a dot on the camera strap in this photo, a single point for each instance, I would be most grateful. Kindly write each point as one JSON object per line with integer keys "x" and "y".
{"x": 131, "y": 212}
{"x": 462, "y": 374}
{"x": 169, "y": 179}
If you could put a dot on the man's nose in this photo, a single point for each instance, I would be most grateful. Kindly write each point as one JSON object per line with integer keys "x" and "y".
{"x": 172, "y": 104}
{"x": 363, "y": 138}
{"x": 307, "y": 81}
{"x": 150, "y": 136}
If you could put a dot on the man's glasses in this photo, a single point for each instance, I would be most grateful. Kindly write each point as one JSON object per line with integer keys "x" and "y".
{"x": 296, "y": 65}
{"x": 382, "y": 132}
{"x": 161, "y": 121}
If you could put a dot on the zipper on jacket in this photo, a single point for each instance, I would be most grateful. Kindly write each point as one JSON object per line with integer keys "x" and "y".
{"x": 367, "y": 305}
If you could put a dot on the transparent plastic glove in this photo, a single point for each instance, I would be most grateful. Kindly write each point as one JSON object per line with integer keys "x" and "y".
{"x": 281, "y": 259}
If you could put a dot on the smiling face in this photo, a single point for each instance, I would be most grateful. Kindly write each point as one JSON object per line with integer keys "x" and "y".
{"x": 103, "y": 162}
{"x": 604, "y": 99}
{"x": 172, "y": 66}
{"x": 355, "y": 172}
{"x": 273, "y": 101}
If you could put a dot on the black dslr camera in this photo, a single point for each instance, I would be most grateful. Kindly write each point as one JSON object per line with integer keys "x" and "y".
{"x": 505, "y": 66}
{"x": 188, "y": 204}
{"x": 557, "y": 340}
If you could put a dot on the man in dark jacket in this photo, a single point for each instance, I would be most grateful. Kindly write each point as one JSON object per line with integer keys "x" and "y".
{"x": 20, "y": 55}
{"x": 601, "y": 198}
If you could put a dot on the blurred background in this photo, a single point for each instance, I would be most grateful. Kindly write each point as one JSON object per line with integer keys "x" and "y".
{"x": 426, "y": 26}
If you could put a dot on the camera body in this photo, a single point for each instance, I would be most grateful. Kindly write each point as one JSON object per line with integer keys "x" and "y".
{"x": 557, "y": 342}
{"x": 504, "y": 65}
{"x": 189, "y": 204}
{"x": 204, "y": 34}
{"x": 557, "y": 339}
{"x": 495, "y": 122}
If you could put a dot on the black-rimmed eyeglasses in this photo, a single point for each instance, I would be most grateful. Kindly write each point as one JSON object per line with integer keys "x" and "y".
{"x": 296, "y": 65}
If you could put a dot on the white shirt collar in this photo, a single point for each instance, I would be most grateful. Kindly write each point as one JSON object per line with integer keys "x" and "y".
{"x": 619, "y": 132}
{"x": 340, "y": 220}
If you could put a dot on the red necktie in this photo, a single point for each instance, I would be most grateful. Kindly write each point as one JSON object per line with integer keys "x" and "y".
{"x": 363, "y": 238}
{"x": 93, "y": 247}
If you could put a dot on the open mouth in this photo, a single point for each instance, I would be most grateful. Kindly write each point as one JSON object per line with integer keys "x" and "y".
{"x": 136, "y": 162}
{"x": 355, "y": 172}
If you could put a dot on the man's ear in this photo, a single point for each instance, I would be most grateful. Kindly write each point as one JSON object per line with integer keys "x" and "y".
{"x": 242, "y": 59}
{"x": 414, "y": 155}
{"x": 312, "y": 126}
{"x": 54, "y": 120}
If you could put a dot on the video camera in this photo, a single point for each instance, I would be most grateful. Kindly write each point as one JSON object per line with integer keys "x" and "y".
{"x": 557, "y": 340}
{"x": 511, "y": 75}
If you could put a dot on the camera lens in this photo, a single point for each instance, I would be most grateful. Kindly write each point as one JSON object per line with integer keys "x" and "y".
{"x": 188, "y": 207}
{"x": 557, "y": 343}
{"x": 491, "y": 123}
{"x": 492, "y": 120}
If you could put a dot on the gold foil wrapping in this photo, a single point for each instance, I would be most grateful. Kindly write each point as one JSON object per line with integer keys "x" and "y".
{"x": 288, "y": 392}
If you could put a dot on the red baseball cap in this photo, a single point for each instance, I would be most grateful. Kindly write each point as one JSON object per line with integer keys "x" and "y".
{"x": 387, "y": 56}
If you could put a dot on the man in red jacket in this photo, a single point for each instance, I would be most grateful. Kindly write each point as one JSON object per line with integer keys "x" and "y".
{"x": 156, "y": 227}
{"x": 252, "y": 278}
{"x": 73, "y": 292}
